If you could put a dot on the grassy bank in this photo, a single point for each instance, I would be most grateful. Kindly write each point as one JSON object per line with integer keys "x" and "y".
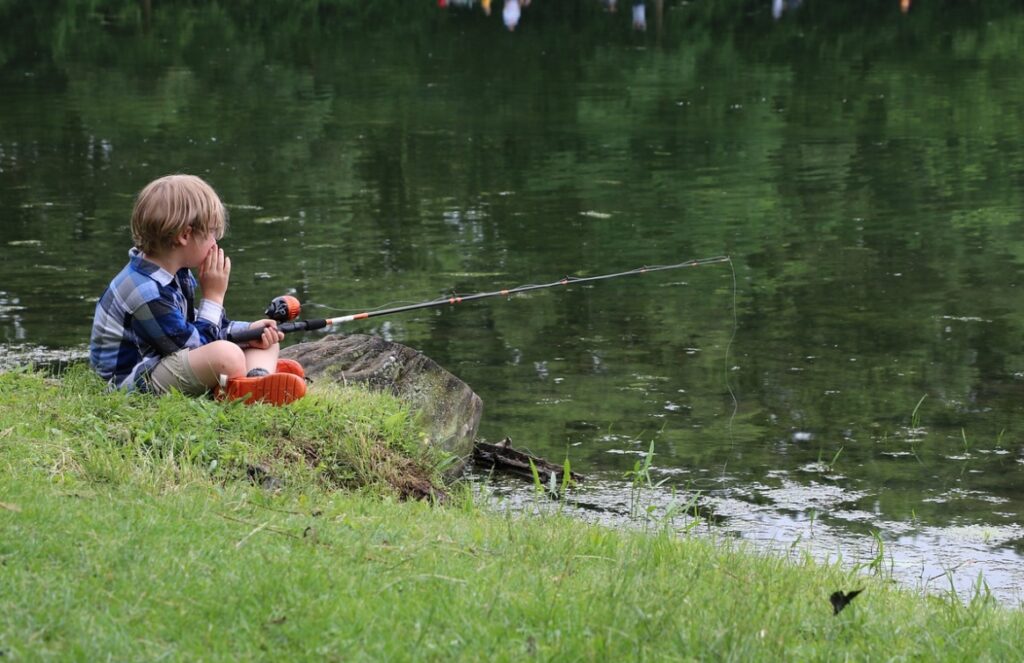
{"x": 128, "y": 533}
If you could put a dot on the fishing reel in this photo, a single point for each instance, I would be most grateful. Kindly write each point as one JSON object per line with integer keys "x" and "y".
{"x": 283, "y": 308}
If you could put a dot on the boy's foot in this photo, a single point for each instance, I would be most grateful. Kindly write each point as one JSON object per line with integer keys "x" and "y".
{"x": 275, "y": 389}
{"x": 290, "y": 366}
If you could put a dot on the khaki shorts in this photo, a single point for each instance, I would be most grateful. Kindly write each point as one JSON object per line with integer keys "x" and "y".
{"x": 175, "y": 372}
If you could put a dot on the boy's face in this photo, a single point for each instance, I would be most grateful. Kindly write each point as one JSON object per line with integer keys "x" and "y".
{"x": 197, "y": 247}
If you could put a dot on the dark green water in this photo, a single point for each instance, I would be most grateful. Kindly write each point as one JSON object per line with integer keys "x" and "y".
{"x": 864, "y": 170}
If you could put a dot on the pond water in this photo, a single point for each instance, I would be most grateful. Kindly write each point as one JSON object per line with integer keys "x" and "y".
{"x": 855, "y": 374}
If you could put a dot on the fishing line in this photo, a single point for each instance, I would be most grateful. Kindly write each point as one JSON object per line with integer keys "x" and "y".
{"x": 728, "y": 349}
{"x": 566, "y": 280}
{"x": 285, "y": 309}
{"x": 334, "y": 309}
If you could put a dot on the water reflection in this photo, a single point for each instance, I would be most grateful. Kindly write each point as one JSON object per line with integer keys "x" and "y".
{"x": 10, "y": 308}
{"x": 485, "y": 5}
{"x": 781, "y": 6}
{"x": 638, "y": 11}
{"x": 512, "y": 11}
{"x": 639, "y": 16}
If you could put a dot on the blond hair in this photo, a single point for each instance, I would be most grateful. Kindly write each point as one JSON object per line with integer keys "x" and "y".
{"x": 168, "y": 206}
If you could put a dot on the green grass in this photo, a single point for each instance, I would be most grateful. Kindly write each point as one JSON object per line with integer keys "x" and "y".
{"x": 118, "y": 540}
{"x": 336, "y": 438}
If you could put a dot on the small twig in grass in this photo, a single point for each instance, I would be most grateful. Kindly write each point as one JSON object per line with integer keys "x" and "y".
{"x": 728, "y": 573}
{"x": 288, "y": 511}
{"x": 395, "y": 565}
{"x": 423, "y": 576}
{"x": 250, "y": 534}
{"x": 436, "y": 576}
{"x": 272, "y": 530}
{"x": 601, "y": 557}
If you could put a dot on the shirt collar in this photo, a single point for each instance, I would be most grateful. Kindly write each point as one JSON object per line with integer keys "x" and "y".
{"x": 150, "y": 269}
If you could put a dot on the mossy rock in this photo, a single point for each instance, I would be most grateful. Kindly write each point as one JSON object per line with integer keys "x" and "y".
{"x": 450, "y": 410}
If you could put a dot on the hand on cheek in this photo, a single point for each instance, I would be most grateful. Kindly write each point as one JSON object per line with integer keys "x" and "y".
{"x": 214, "y": 274}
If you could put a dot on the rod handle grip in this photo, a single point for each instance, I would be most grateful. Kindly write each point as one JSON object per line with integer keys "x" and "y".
{"x": 254, "y": 333}
{"x": 246, "y": 335}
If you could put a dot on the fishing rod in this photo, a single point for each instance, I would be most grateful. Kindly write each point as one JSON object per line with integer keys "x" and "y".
{"x": 286, "y": 308}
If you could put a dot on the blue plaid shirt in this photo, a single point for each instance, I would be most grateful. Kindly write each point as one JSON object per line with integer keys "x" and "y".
{"x": 145, "y": 314}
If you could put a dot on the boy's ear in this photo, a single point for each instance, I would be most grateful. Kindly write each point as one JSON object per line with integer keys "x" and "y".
{"x": 183, "y": 238}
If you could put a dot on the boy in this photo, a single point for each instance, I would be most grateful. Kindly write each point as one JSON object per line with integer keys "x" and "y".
{"x": 148, "y": 334}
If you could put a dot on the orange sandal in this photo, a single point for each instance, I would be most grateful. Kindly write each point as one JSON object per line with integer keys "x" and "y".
{"x": 274, "y": 389}
{"x": 290, "y": 366}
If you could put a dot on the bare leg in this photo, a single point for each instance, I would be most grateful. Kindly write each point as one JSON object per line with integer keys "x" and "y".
{"x": 218, "y": 358}
{"x": 265, "y": 359}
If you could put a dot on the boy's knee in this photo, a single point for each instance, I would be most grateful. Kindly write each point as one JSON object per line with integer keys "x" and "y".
{"x": 229, "y": 354}
{"x": 217, "y": 358}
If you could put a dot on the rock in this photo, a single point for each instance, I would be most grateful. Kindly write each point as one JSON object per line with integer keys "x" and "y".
{"x": 450, "y": 409}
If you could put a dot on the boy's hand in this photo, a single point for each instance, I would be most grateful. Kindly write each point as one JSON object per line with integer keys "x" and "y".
{"x": 270, "y": 334}
{"x": 214, "y": 274}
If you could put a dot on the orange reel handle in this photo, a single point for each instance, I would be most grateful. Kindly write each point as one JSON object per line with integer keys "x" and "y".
{"x": 284, "y": 308}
